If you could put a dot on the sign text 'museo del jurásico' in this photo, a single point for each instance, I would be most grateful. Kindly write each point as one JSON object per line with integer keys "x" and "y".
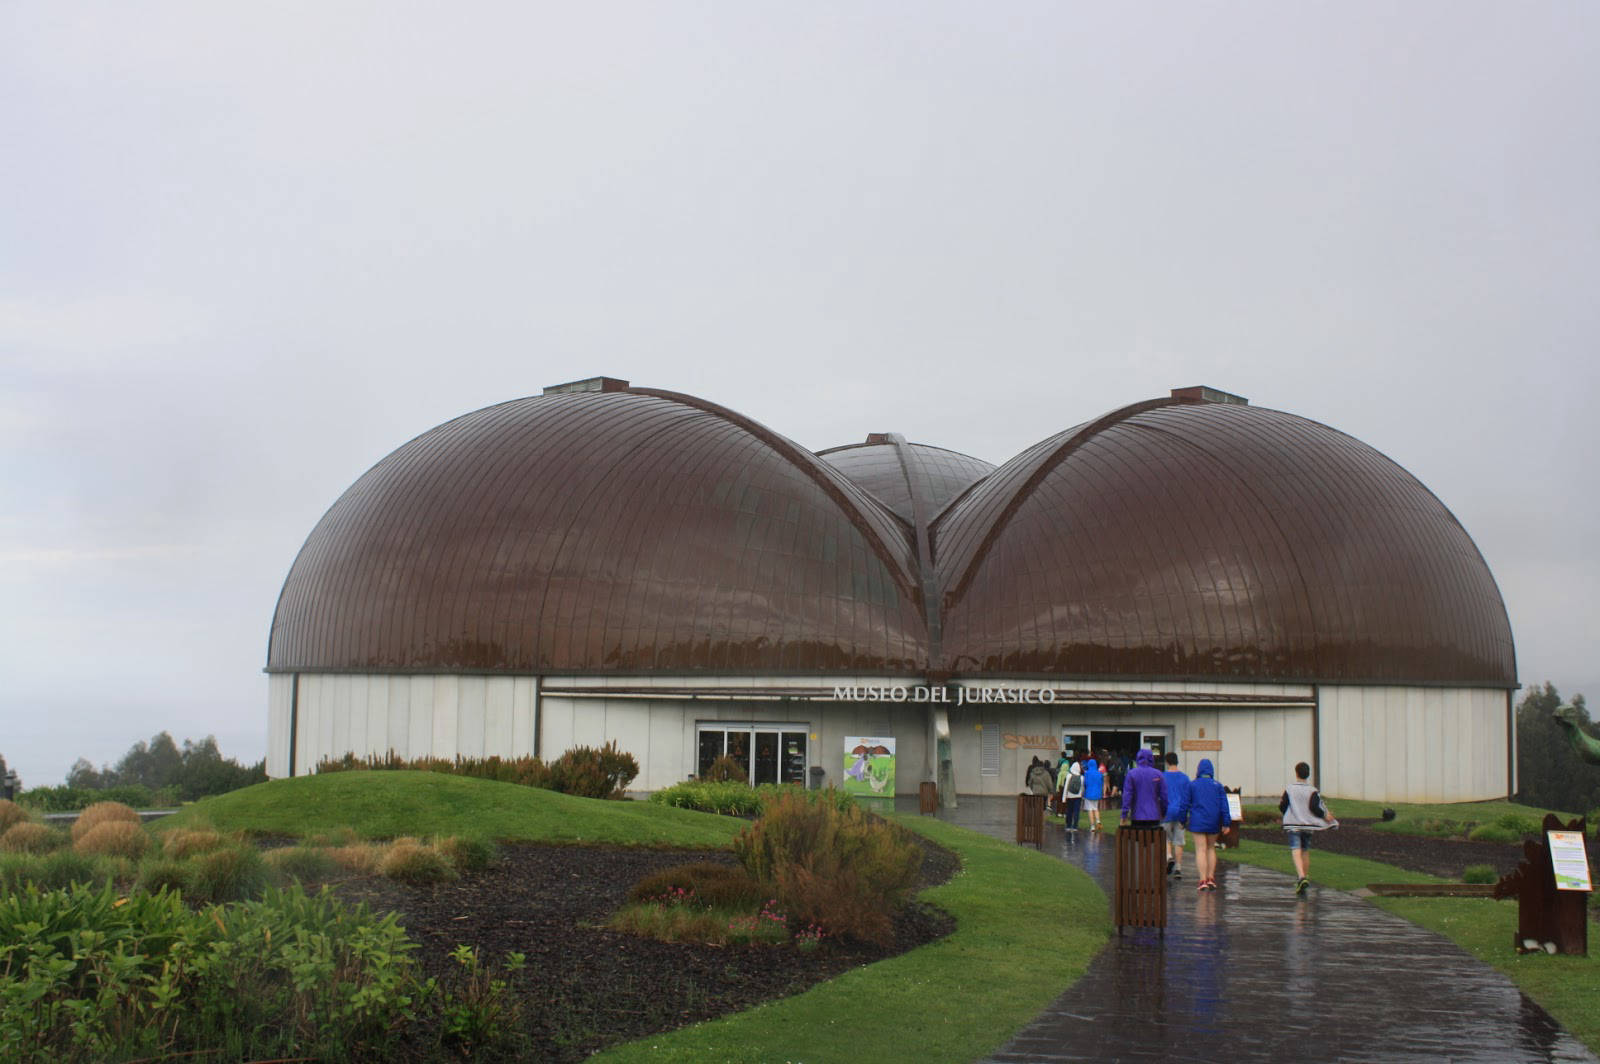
{"x": 958, "y": 696}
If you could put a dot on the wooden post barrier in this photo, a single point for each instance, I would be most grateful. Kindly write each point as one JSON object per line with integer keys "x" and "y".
{"x": 928, "y": 797}
{"x": 1545, "y": 914}
{"x": 1139, "y": 898}
{"x": 1030, "y": 819}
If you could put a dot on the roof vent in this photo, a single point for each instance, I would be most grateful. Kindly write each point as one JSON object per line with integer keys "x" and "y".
{"x": 1209, "y": 395}
{"x": 589, "y": 384}
{"x": 877, "y": 439}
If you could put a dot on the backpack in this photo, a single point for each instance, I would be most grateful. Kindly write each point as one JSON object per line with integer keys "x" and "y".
{"x": 1074, "y": 786}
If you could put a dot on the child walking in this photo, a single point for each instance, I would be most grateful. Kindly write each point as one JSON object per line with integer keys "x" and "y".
{"x": 1303, "y": 813}
{"x": 1208, "y": 815}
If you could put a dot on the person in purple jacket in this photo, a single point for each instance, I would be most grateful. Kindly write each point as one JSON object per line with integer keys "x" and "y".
{"x": 1144, "y": 793}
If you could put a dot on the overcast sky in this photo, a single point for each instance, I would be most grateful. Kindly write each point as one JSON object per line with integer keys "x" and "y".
{"x": 248, "y": 250}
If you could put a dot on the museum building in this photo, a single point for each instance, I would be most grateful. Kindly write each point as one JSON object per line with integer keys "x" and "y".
{"x": 1188, "y": 573}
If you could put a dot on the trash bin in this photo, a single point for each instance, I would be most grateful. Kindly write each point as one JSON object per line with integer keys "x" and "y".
{"x": 1139, "y": 898}
{"x": 928, "y": 797}
{"x": 1030, "y": 819}
{"x": 818, "y": 773}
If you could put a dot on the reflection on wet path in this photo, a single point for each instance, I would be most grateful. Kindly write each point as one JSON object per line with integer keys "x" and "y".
{"x": 1255, "y": 972}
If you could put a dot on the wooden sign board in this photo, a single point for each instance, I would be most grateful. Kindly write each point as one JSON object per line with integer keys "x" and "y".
{"x": 1201, "y": 744}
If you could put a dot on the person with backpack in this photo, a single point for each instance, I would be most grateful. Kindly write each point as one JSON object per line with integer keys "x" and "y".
{"x": 1072, "y": 794}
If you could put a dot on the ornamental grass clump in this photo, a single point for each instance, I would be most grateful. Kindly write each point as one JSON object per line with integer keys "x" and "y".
{"x": 100, "y": 813}
{"x": 839, "y": 868}
{"x": 703, "y": 885}
{"x": 307, "y": 864}
{"x": 413, "y": 861}
{"x": 467, "y": 854}
{"x": 232, "y": 874}
{"x": 186, "y": 842}
{"x": 114, "y": 838}
{"x": 28, "y": 837}
{"x": 1479, "y": 873}
{"x": 10, "y": 814}
{"x": 1509, "y": 827}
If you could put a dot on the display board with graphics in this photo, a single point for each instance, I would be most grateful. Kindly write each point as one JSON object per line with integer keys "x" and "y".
{"x": 869, "y": 766}
{"x": 1569, "y": 860}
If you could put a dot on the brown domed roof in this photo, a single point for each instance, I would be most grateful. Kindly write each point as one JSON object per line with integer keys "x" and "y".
{"x": 1194, "y": 539}
{"x": 637, "y": 530}
{"x": 618, "y": 530}
{"x": 934, "y": 474}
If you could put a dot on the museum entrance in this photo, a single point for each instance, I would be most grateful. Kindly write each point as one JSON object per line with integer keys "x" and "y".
{"x": 768, "y": 753}
{"x": 1122, "y": 742}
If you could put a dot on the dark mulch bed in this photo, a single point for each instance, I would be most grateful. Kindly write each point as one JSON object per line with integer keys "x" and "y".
{"x": 584, "y": 987}
{"x": 1443, "y": 857}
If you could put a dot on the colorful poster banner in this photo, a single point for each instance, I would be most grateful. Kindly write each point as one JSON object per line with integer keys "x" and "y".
{"x": 869, "y": 766}
{"x": 1570, "y": 860}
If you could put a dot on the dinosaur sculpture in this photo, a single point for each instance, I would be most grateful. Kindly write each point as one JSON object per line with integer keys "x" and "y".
{"x": 1584, "y": 745}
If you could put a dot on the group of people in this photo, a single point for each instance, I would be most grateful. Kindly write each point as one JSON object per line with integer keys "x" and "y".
{"x": 1172, "y": 802}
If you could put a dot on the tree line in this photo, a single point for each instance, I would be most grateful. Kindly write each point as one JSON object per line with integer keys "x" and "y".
{"x": 158, "y": 772}
{"x": 1549, "y": 771}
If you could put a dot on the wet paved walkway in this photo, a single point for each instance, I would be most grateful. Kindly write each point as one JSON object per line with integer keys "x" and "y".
{"x": 1254, "y": 972}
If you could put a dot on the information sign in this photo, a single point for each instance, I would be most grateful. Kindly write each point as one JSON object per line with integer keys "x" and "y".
{"x": 1570, "y": 860}
{"x": 1235, "y": 808}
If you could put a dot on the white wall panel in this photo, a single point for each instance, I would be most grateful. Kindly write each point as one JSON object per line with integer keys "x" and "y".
{"x": 1436, "y": 744}
{"x": 556, "y": 722}
{"x": 498, "y": 695}
{"x": 446, "y": 708}
{"x": 472, "y": 704}
{"x": 419, "y": 736}
{"x": 399, "y": 711}
{"x": 523, "y": 716}
{"x": 280, "y": 694}
{"x": 377, "y": 717}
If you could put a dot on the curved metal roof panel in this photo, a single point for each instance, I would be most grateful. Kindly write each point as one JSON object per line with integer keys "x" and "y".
{"x": 1192, "y": 539}
{"x": 939, "y": 475}
{"x": 598, "y": 531}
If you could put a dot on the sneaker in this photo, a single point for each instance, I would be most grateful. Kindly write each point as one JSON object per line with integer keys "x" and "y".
{"x": 1171, "y": 864}
{"x": 1209, "y": 884}
{"x": 1300, "y": 887}
{"x": 1177, "y": 873}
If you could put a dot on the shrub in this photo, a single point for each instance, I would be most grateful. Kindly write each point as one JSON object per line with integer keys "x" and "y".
{"x": 10, "y": 814}
{"x": 1479, "y": 873}
{"x": 1257, "y": 816}
{"x": 836, "y": 867}
{"x": 733, "y": 799}
{"x": 467, "y": 854}
{"x": 361, "y": 858}
{"x": 590, "y": 773}
{"x": 702, "y": 885}
{"x": 308, "y": 864}
{"x": 726, "y": 769}
{"x": 100, "y": 813}
{"x": 230, "y": 874}
{"x": 186, "y": 842}
{"x": 1508, "y": 827}
{"x": 17, "y": 870}
{"x": 162, "y": 873}
{"x": 144, "y": 976}
{"x": 65, "y": 867}
{"x": 28, "y": 837}
{"x": 114, "y": 838}
{"x": 411, "y": 861}
{"x": 476, "y": 1008}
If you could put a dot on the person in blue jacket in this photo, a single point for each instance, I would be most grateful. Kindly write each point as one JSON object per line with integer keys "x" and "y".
{"x": 1094, "y": 783}
{"x": 1208, "y": 816}
{"x": 1177, "y": 814}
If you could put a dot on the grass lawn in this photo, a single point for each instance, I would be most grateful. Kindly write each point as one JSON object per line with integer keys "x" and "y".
{"x": 1028, "y": 927}
{"x": 381, "y": 805}
{"x": 1565, "y": 986}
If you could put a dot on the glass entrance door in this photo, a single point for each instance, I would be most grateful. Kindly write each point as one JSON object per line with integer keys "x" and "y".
{"x": 768, "y": 753}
